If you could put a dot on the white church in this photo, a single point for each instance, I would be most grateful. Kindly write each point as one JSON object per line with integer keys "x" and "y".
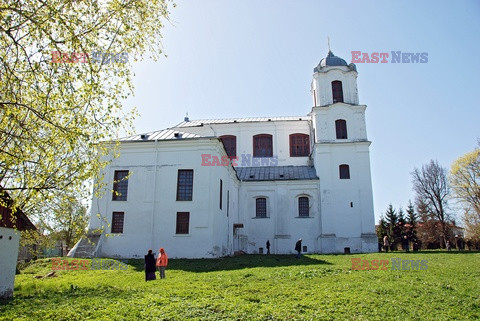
{"x": 210, "y": 188}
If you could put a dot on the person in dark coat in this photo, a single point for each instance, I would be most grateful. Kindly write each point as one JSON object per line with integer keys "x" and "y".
{"x": 268, "y": 246}
{"x": 298, "y": 248}
{"x": 150, "y": 266}
{"x": 406, "y": 244}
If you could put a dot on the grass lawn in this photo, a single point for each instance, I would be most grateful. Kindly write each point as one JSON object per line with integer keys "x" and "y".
{"x": 256, "y": 287}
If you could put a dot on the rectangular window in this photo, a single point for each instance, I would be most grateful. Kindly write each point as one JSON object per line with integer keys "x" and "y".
{"x": 183, "y": 222}
{"x": 262, "y": 145}
{"x": 117, "y": 222}
{"x": 221, "y": 192}
{"x": 185, "y": 185}
{"x": 120, "y": 186}
{"x": 344, "y": 171}
{"x": 299, "y": 145}
{"x": 341, "y": 128}
{"x": 230, "y": 144}
{"x": 337, "y": 91}
{"x": 303, "y": 206}
{"x": 261, "y": 207}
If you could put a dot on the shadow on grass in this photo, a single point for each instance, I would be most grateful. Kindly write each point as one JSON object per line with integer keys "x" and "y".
{"x": 428, "y": 252}
{"x": 446, "y": 252}
{"x": 233, "y": 263}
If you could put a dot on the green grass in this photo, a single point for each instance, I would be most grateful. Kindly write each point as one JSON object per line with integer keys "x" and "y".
{"x": 255, "y": 287}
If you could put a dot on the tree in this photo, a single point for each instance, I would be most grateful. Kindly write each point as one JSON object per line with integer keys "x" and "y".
{"x": 430, "y": 184}
{"x": 382, "y": 229}
{"x": 401, "y": 231}
{"x": 64, "y": 72}
{"x": 412, "y": 222}
{"x": 68, "y": 220}
{"x": 465, "y": 182}
{"x": 392, "y": 221}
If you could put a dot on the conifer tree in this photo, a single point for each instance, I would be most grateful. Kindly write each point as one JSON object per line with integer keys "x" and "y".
{"x": 412, "y": 221}
{"x": 400, "y": 230}
{"x": 392, "y": 220}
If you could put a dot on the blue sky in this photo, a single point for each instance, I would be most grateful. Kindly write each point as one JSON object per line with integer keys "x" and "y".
{"x": 256, "y": 58}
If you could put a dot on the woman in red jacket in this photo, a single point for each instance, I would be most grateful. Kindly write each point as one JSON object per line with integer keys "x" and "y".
{"x": 162, "y": 262}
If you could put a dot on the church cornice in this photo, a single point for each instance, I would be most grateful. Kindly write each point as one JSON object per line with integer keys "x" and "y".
{"x": 342, "y": 69}
{"x": 329, "y": 106}
{"x": 346, "y": 142}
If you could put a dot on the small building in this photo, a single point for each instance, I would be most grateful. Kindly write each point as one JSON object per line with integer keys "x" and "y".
{"x": 11, "y": 223}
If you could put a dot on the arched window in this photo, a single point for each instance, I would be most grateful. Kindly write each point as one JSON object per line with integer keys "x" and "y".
{"x": 262, "y": 145}
{"x": 230, "y": 143}
{"x": 299, "y": 145}
{"x": 344, "y": 170}
{"x": 261, "y": 207}
{"x": 337, "y": 91}
{"x": 303, "y": 206}
{"x": 341, "y": 128}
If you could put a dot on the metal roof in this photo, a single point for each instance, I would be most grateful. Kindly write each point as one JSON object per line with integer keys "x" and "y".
{"x": 332, "y": 60}
{"x": 201, "y": 122}
{"x": 164, "y": 134}
{"x": 276, "y": 173}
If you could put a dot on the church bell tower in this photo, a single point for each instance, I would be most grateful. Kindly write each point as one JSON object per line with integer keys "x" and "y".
{"x": 341, "y": 159}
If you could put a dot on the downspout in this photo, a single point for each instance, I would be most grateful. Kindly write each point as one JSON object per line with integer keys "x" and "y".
{"x": 154, "y": 193}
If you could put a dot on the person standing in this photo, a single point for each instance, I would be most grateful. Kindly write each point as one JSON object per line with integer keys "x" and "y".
{"x": 298, "y": 248}
{"x": 162, "y": 262}
{"x": 385, "y": 243}
{"x": 150, "y": 266}
{"x": 268, "y": 246}
{"x": 406, "y": 244}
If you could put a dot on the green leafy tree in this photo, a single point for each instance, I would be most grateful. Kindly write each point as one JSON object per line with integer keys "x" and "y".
{"x": 65, "y": 68}
{"x": 465, "y": 182}
{"x": 67, "y": 221}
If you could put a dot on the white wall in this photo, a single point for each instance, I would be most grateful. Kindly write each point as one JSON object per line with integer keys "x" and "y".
{"x": 322, "y": 84}
{"x": 9, "y": 242}
{"x": 325, "y": 117}
{"x": 282, "y": 226}
{"x": 244, "y": 131}
{"x": 151, "y": 206}
{"x": 347, "y": 204}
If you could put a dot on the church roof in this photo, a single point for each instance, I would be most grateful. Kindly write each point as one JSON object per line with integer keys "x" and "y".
{"x": 164, "y": 134}
{"x": 332, "y": 60}
{"x": 201, "y": 122}
{"x": 276, "y": 173}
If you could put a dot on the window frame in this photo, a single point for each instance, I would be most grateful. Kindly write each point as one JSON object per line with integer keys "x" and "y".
{"x": 345, "y": 173}
{"x": 116, "y": 215}
{"x": 120, "y": 185}
{"x": 230, "y": 144}
{"x": 221, "y": 194}
{"x": 183, "y": 188}
{"x": 341, "y": 129}
{"x": 337, "y": 91}
{"x": 257, "y": 149}
{"x": 179, "y": 228}
{"x": 257, "y": 210}
{"x": 294, "y": 146}
{"x": 303, "y": 197}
